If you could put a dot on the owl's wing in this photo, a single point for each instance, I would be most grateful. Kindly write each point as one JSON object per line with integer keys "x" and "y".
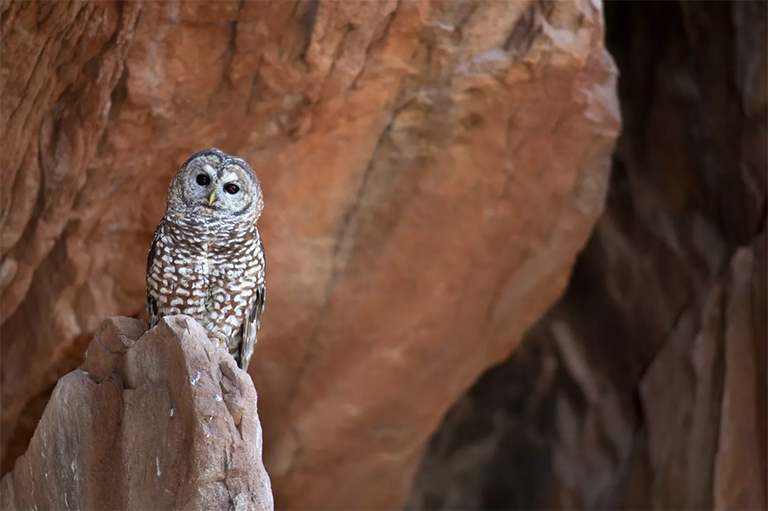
{"x": 252, "y": 321}
{"x": 154, "y": 315}
{"x": 251, "y": 325}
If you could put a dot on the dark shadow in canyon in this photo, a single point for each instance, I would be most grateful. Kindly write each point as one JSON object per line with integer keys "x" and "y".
{"x": 613, "y": 399}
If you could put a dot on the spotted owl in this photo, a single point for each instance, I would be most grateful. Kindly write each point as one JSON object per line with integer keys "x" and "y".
{"x": 207, "y": 258}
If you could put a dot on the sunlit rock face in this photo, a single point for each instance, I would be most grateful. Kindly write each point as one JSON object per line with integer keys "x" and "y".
{"x": 430, "y": 171}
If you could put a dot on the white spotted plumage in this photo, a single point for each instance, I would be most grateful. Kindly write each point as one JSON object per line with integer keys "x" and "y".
{"x": 207, "y": 258}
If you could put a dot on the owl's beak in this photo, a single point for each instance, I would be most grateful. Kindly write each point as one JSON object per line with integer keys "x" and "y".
{"x": 212, "y": 198}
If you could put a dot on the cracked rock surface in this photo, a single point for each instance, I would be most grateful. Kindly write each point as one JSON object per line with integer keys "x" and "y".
{"x": 152, "y": 420}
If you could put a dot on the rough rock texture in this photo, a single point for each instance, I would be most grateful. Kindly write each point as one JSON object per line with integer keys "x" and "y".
{"x": 430, "y": 171}
{"x": 163, "y": 420}
{"x": 708, "y": 431}
{"x": 645, "y": 387}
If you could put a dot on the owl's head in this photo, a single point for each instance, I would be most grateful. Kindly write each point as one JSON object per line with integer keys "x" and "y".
{"x": 214, "y": 184}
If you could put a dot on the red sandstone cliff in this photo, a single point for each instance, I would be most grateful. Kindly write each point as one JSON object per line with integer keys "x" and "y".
{"x": 430, "y": 171}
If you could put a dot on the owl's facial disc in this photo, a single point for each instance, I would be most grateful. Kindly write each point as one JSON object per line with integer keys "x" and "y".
{"x": 215, "y": 184}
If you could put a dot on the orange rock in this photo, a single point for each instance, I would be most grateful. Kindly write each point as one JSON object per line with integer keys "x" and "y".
{"x": 430, "y": 171}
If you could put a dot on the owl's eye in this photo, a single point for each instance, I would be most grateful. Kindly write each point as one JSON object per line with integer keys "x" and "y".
{"x": 203, "y": 179}
{"x": 232, "y": 188}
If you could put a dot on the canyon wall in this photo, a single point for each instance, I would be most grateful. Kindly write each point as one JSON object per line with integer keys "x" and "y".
{"x": 645, "y": 387}
{"x": 430, "y": 170}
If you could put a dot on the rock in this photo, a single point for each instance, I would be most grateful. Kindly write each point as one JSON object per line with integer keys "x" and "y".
{"x": 144, "y": 424}
{"x": 741, "y": 462}
{"x": 709, "y": 429}
{"x": 683, "y": 426}
{"x": 644, "y": 387}
{"x": 430, "y": 171}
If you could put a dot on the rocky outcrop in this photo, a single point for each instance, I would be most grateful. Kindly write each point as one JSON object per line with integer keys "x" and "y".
{"x": 156, "y": 420}
{"x": 704, "y": 396}
{"x": 545, "y": 428}
{"x": 430, "y": 171}
{"x": 645, "y": 387}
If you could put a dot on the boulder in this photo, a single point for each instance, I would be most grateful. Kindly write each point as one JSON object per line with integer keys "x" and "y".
{"x": 430, "y": 171}
{"x": 645, "y": 386}
{"x": 157, "y": 420}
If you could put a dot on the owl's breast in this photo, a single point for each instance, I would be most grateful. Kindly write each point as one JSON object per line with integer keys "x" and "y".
{"x": 178, "y": 276}
{"x": 214, "y": 282}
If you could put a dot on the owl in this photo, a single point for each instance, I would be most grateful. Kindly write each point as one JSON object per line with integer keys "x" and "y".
{"x": 207, "y": 258}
